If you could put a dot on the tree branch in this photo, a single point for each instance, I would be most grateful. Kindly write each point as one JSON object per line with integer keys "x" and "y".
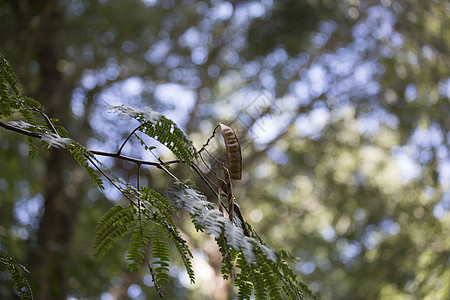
{"x": 134, "y": 160}
{"x": 21, "y": 131}
{"x": 47, "y": 120}
{"x": 128, "y": 137}
{"x": 160, "y": 165}
{"x": 209, "y": 139}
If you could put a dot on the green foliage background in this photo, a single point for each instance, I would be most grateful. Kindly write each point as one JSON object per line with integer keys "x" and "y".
{"x": 353, "y": 87}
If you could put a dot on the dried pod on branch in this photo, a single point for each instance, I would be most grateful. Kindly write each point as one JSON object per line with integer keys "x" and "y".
{"x": 233, "y": 152}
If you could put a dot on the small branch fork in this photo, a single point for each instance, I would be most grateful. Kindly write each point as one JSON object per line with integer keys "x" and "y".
{"x": 160, "y": 164}
{"x": 225, "y": 186}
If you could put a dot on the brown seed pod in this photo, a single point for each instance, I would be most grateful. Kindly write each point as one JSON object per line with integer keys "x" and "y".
{"x": 233, "y": 152}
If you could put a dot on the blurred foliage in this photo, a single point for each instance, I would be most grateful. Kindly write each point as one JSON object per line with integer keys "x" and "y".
{"x": 16, "y": 270}
{"x": 341, "y": 108}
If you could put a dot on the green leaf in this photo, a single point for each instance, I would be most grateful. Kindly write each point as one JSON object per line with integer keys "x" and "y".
{"x": 160, "y": 253}
{"x": 137, "y": 247}
{"x": 161, "y": 129}
{"x": 16, "y": 271}
{"x": 114, "y": 224}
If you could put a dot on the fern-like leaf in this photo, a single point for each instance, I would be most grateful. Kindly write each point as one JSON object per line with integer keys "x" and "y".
{"x": 161, "y": 129}
{"x": 16, "y": 271}
{"x": 258, "y": 284}
{"x": 117, "y": 222}
{"x": 137, "y": 247}
{"x": 8, "y": 74}
{"x": 8, "y": 80}
{"x": 185, "y": 255}
{"x": 242, "y": 280}
{"x": 81, "y": 155}
{"x": 155, "y": 200}
{"x": 260, "y": 269}
{"x": 228, "y": 257}
{"x": 271, "y": 282}
{"x": 213, "y": 223}
{"x": 160, "y": 253}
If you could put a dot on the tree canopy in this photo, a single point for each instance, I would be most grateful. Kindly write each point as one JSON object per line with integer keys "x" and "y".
{"x": 341, "y": 109}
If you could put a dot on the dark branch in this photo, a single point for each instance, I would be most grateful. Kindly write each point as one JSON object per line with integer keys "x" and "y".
{"x": 47, "y": 120}
{"x": 161, "y": 164}
{"x": 132, "y": 159}
{"x": 209, "y": 139}
{"x": 21, "y": 131}
{"x": 128, "y": 137}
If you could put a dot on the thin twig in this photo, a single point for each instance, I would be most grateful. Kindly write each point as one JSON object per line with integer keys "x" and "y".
{"x": 208, "y": 167}
{"x": 138, "y": 177}
{"x": 200, "y": 173}
{"x": 161, "y": 166}
{"x": 128, "y": 137}
{"x": 129, "y": 198}
{"x": 205, "y": 176}
{"x": 132, "y": 159}
{"x": 152, "y": 273}
{"x": 209, "y": 139}
{"x": 217, "y": 160}
{"x": 106, "y": 175}
{"x": 47, "y": 120}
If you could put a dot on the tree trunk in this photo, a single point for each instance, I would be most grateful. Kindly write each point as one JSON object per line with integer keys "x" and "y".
{"x": 50, "y": 258}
